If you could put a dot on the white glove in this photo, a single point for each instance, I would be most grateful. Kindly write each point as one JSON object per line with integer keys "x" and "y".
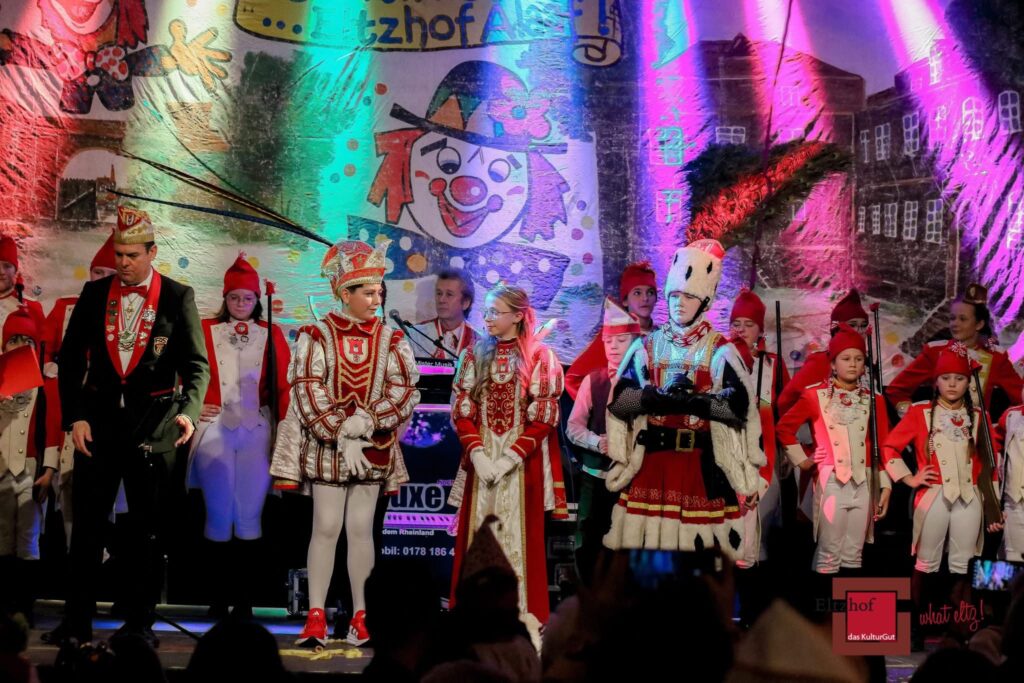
{"x": 506, "y": 464}
{"x": 357, "y": 425}
{"x": 483, "y": 466}
{"x": 352, "y": 452}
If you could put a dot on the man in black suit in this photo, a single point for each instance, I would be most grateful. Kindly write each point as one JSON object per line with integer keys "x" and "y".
{"x": 133, "y": 372}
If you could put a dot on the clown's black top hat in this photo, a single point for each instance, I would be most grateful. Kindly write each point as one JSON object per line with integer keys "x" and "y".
{"x": 462, "y": 91}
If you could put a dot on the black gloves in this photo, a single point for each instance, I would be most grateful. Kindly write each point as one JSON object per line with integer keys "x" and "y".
{"x": 673, "y": 399}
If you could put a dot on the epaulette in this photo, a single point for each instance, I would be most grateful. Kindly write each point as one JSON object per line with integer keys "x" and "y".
{"x": 313, "y": 331}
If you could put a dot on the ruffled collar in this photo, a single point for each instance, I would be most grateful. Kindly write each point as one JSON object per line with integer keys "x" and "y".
{"x": 690, "y": 334}
{"x": 347, "y": 321}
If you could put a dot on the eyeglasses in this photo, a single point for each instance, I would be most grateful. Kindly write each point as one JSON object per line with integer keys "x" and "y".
{"x": 494, "y": 313}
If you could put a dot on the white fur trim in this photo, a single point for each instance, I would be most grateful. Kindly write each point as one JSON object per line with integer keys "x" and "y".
{"x": 629, "y": 531}
{"x": 623, "y": 449}
{"x": 737, "y": 451}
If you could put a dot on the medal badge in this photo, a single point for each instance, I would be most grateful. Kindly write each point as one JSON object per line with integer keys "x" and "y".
{"x": 954, "y": 425}
{"x": 239, "y": 334}
{"x": 845, "y": 407}
{"x": 159, "y": 344}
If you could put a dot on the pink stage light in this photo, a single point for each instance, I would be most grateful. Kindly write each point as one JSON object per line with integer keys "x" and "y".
{"x": 676, "y": 120}
{"x": 975, "y": 159}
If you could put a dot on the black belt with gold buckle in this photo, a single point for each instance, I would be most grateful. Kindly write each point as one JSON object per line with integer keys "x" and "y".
{"x": 678, "y": 440}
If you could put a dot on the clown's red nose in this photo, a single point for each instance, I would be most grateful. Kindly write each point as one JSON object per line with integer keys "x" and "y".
{"x": 467, "y": 190}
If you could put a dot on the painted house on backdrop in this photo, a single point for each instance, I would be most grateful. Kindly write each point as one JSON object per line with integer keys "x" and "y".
{"x": 813, "y": 101}
{"x": 909, "y": 245}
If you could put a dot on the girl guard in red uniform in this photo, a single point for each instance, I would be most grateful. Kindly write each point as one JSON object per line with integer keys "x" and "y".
{"x": 943, "y": 432}
{"x": 838, "y": 412}
{"x": 747, "y": 325}
{"x": 948, "y": 514}
{"x": 231, "y": 450}
{"x": 1010, "y": 435}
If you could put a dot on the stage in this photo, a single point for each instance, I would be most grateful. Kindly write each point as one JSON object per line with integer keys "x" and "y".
{"x": 338, "y": 659}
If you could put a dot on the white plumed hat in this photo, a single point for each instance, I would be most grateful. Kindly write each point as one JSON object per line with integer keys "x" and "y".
{"x": 696, "y": 269}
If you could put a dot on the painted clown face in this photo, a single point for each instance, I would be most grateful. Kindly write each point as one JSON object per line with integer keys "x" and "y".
{"x": 465, "y": 194}
{"x": 82, "y": 17}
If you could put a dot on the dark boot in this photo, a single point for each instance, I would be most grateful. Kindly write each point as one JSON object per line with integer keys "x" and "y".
{"x": 960, "y": 595}
{"x": 919, "y": 585}
{"x": 219, "y": 561}
{"x": 8, "y": 582}
{"x": 752, "y": 589}
{"x": 27, "y": 577}
{"x": 245, "y": 574}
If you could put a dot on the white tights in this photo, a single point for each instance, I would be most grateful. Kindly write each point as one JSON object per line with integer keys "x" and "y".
{"x": 334, "y": 507}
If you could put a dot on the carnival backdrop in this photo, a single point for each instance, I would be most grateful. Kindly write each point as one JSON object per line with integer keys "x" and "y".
{"x": 545, "y": 143}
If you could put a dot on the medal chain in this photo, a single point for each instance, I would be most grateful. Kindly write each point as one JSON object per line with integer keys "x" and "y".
{"x": 129, "y": 329}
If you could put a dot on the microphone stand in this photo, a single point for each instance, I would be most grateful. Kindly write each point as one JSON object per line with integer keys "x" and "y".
{"x": 407, "y": 326}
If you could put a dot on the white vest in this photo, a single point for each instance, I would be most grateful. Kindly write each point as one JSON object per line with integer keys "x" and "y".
{"x": 240, "y": 368}
{"x": 1015, "y": 456}
{"x": 847, "y": 443}
{"x": 14, "y": 429}
{"x": 954, "y": 458}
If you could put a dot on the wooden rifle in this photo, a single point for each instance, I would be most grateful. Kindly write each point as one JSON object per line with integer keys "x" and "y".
{"x": 271, "y": 360}
{"x": 990, "y": 501}
{"x": 875, "y": 474}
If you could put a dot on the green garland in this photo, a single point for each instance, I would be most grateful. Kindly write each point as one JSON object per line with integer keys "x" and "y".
{"x": 718, "y": 170}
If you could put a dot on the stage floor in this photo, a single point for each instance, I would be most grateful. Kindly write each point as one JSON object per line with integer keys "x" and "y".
{"x": 339, "y": 658}
{"x": 176, "y": 647}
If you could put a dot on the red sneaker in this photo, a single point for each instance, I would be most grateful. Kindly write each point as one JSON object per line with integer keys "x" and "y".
{"x": 357, "y": 633}
{"x": 315, "y": 631}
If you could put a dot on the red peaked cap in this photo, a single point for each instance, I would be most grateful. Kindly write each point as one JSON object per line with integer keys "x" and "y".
{"x": 21, "y": 322}
{"x": 953, "y": 360}
{"x": 9, "y": 251}
{"x": 639, "y": 274}
{"x": 748, "y": 305}
{"x": 849, "y": 308}
{"x": 241, "y": 275}
{"x": 845, "y": 338}
{"x": 104, "y": 258}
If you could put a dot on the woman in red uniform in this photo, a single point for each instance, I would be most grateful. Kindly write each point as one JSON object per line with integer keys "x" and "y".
{"x": 231, "y": 450}
{"x": 971, "y": 325}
